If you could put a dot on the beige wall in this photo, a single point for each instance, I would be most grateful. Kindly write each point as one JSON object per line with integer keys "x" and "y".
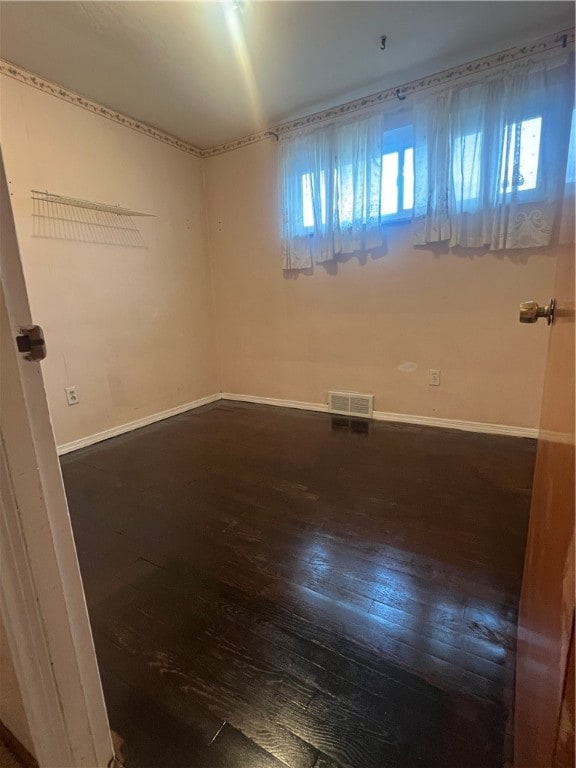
{"x": 131, "y": 328}
{"x": 373, "y": 326}
{"x": 136, "y": 330}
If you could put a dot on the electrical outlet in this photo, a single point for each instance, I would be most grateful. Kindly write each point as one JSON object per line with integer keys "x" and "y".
{"x": 434, "y": 377}
{"x": 72, "y": 395}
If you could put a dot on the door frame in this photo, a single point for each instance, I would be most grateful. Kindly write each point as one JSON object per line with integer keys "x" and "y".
{"x": 41, "y": 594}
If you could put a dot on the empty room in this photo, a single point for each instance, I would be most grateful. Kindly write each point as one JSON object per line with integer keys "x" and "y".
{"x": 287, "y": 384}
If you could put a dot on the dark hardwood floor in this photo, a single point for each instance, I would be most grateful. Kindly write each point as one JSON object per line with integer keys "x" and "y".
{"x": 270, "y": 587}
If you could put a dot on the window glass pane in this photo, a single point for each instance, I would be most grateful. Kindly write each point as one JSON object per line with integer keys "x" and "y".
{"x": 530, "y": 151}
{"x": 389, "y": 191}
{"x": 408, "y": 171}
{"x": 307, "y": 207}
{"x": 355, "y": 201}
{"x": 524, "y": 147}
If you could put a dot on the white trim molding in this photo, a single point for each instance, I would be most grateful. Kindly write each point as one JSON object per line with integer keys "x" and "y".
{"x": 561, "y": 39}
{"x": 465, "y": 426}
{"x": 298, "y": 404}
{"x": 400, "y": 418}
{"x": 121, "y": 429}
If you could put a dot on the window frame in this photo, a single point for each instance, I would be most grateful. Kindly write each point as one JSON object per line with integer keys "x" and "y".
{"x": 536, "y": 193}
{"x": 309, "y": 230}
{"x": 506, "y": 196}
{"x": 399, "y": 140}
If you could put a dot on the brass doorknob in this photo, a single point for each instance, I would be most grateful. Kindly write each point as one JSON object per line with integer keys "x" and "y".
{"x": 530, "y": 311}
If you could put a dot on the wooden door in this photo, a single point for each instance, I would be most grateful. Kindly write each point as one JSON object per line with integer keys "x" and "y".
{"x": 41, "y": 597}
{"x": 543, "y": 731}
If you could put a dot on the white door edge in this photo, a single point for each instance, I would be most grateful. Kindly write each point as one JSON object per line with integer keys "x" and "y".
{"x": 25, "y": 633}
{"x": 42, "y": 598}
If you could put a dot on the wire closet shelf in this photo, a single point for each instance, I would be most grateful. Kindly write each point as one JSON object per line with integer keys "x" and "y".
{"x": 71, "y": 218}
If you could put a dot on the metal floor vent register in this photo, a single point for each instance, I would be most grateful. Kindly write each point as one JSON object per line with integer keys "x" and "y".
{"x": 351, "y": 404}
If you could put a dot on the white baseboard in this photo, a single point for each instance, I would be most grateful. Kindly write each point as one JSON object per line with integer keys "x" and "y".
{"x": 83, "y": 442}
{"x": 402, "y": 418}
{"x": 299, "y": 404}
{"x": 465, "y": 426}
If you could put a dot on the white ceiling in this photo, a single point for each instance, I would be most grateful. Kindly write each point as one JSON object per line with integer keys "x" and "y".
{"x": 207, "y": 74}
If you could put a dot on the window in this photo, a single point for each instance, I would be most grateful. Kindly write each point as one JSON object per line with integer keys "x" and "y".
{"x": 476, "y": 164}
{"x": 518, "y": 166}
{"x": 393, "y": 197}
{"x": 397, "y": 179}
{"x": 491, "y": 160}
{"x": 521, "y": 140}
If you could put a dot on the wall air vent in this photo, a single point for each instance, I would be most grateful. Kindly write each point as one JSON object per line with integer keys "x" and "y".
{"x": 351, "y": 404}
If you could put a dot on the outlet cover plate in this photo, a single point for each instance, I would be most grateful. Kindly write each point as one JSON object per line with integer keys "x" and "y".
{"x": 72, "y": 395}
{"x": 434, "y": 377}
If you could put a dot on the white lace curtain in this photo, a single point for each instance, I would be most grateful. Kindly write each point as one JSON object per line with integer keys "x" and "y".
{"x": 490, "y": 167}
{"x": 491, "y": 158}
{"x": 330, "y": 188}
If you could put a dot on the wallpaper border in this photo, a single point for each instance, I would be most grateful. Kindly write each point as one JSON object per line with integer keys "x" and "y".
{"x": 46, "y": 86}
{"x": 560, "y": 39}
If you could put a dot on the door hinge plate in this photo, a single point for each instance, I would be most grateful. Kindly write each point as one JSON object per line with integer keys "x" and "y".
{"x": 31, "y": 342}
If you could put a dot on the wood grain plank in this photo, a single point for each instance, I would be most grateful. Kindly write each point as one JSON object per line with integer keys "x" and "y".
{"x": 337, "y": 599}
